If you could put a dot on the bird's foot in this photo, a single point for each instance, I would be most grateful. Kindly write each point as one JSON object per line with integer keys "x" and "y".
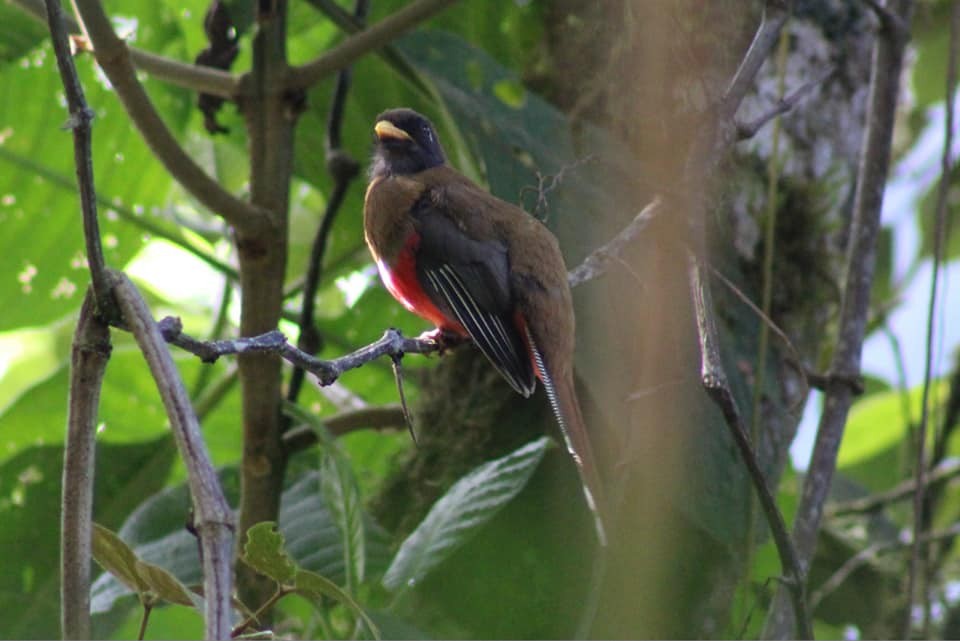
{"x": 444, "y": 339}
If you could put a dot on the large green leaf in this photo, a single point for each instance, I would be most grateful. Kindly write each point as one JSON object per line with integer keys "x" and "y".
{"x": 877, "y": 422}
{"x": 468, "y": 504}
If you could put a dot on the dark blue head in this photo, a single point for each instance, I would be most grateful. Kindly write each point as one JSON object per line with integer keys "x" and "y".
{"x": 406, "y": 143}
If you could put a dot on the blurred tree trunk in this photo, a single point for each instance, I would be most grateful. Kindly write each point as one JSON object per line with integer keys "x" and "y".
{"x": 648, "y": 73}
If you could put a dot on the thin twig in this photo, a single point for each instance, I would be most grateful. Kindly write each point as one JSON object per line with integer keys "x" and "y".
{"x": 114, "y": 58}
{"x": 88, "y": 363}
{"x": 714, "y": 380}
{"x": 392, "y": 343}
{"x": 390, "y": 54}
{"x": 380, "y": 34}
{"x": 942, "y": 473}
{"x": 80, "y": 118}
{"x": 775, "y": 14}
{"x": 598, "y": 262}
{"x": 213, "y": 518}
{"x": 783, "y": 105}
{"x": 861, "y": 256}
{"x": 918, "y": 557}
{"x": 852, "y": 564}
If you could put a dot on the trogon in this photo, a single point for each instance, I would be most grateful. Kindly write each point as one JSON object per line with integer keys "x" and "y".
{"x": 478, "y": 267}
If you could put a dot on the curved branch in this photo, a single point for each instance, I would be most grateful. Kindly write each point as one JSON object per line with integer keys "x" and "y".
{"x": 377, "y": 36}
{"x": 213, "y": 518}
{"x": 114, "y": 58}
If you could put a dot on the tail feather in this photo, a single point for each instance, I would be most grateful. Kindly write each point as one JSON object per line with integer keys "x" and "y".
{"x": 566, "y": 408}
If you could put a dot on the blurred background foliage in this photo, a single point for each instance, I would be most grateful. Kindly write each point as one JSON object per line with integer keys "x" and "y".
{"x": 490, "y": 75}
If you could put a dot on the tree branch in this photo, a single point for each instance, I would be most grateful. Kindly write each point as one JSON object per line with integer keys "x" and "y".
{"x": 180, "y": 74}
{"x": 79, "y": 122}
{"x": 747, "y": 130}
{"x": 355, "y": 46}
{"x": 382, "y": 417}
{"x": 861, "y": 256}
{"x": 714, "y": 380}
{"x": 598, "y": 261}
{"x": 88, "y": 362}
{"x": 213, "y": 518}
{"x": 392, "y": 343}
{"x": 943, "y": 473}
{"x": 852, "y": 564}
{"x": 113, "y": 56}
{"x": 270, "y": 114}
{"x": 775, "y": 14}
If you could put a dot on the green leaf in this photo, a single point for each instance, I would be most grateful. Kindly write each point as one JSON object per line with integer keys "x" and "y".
{"x": 342, "y": 495}
{"x": 314, "y": 586}
{"x": 878, "y": 422}
{"x": 264, "y": 552}
{"x": 118, "y": 559}
{"x": 165, "y": 585}
{"x": 470, "y": 503}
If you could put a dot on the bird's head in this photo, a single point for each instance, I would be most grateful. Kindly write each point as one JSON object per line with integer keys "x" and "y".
{"x": 406, "y": 143}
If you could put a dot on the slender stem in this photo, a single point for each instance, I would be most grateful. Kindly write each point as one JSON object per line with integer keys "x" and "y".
{"x": 769, "y": 240}
{"x": 355, "y": 46}
{"x": 88, "y": 363}
{"x": 260, "y": 612}
{"x": 144, "y": 620}
{"x": 947, "y": 470}
{"x": 918, "y": 556}
{"x": 213, "y": 518}
{"x": 856, "y": 561}
{"x": 80, "y": 119}
{"x": 861, "y": 257}
{"x": 114, "y": 58}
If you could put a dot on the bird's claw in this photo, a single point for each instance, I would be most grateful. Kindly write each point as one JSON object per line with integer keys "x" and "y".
{"x": 443, "y": 338}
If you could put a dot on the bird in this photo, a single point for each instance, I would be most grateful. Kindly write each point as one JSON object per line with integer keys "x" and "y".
{"x": 476, "y": 267}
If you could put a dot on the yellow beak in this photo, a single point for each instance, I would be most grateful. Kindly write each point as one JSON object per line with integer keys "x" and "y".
{"x": 386, "y": 129}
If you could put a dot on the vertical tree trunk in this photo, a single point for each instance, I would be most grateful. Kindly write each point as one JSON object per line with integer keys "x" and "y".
{"x": 270, "y": 116}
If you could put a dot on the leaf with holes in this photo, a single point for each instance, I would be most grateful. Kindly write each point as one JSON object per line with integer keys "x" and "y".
{"x": 265, "y": 553}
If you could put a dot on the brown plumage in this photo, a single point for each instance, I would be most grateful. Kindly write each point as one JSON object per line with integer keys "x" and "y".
{"x": 477, "y": 266}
